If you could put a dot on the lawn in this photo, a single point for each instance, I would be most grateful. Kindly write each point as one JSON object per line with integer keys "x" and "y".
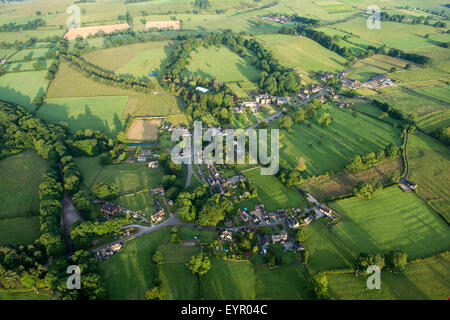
{"x": 221, "y": 63}
{"x": 343, "y": 183}
{"x": 330, "y": 148}
{"x": 229, "y": 281}
{"x": 23, "y": 87}
{"x": 302, "y": 53}
{"x": 288, "y": 282}
{"x": 178, "y": 282}
{"x": 131, "y": 272}
{"x": 99, "y": 113}
{"x": 189, "y": 233}
{"x": 429, "y": 163}
{"x": 391, "y": 220}
{"x": 21, "y": 175}
{"x": 326, "y": 251}
{"x": 273, "y": 193}
{"x": 175, "y": 253}
{"x": 20, "y": 230}
{"x": 420, "y": 281}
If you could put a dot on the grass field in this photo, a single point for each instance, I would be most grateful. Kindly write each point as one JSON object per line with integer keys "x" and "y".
{"x": 334, "y": 6}
{"x": 131, "y": 272}
{"x": 20, "y": 230}
{"x": 229, "y": 281}
{"x": 343, "y": 183}
{"x": 391, "y": 220}
{"x": 302, "y": 54}
{"x": 326, "y": 252}
{"x": 21, "y": 175}
{"x": 420, "y": 281}
{"x": 367, "y": 68}
{"x": 99, "y": 113}
{"x": 329, "y": 148}
{"x": 429, "y": 163}
{"x": 32, "y": 54}
{"x": 23, "y": 87}
{"x": 189, "y": 233}
{"x": 179, "y": 282}
{"x": 282, "y": 283}
{"x": 273, "y": 193}
{"x": 175, "y": 253}
{"x": 89, "y": 168}
{"x": 221, "y": 63}
{"x": 72, "y": 83}
{"x": 23, "y": 66}
{"x": 22, "y": 294}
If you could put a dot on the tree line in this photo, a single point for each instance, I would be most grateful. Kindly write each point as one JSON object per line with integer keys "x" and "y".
{"x": 30, "y": 25}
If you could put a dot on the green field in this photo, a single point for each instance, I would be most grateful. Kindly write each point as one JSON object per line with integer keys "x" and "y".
{"x": 23, "y": 87}
{"x": 330, "y": 148}
{"x": 391, "y": 220}
{"x": 334, "y": 6}
{"x": 131, "y": 272}
{"x": 99, "y": 113}
{"x": 179, "y": 282}
{"x": 221, "y": 63}
{"x": 302, "y": 54}
{"x": 326, "y": 251}
{"x": 189, "y": 233}
{"x": 429, "y": 163}
{"x": 229, "y": 281}
{"x": 20, "y": 230}
{"x": 420, "y": 281}
{"x": 22, "y": 294}
{"x": 273, "y": 193}
{"x": 175, "y": 253}
{"x": 32, "y": 54}
{"x": 367, "y": 68}
{"x": 282, "y": 283}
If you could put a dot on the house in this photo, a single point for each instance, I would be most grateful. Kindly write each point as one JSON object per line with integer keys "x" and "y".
{"x": 226, "y": 236}
{"x": 257, "y": 214}
{"x": 158, "y": 216}
{"x": 153, "y": 164}
{"x": 283, "y": 236}
{"x": 407, "y": 185}
{"x": 116, "y": 247}
{"x": 307, "y": 221}
{"x": 159, "y": 191}
{"x": 315, "y": 89}
{"x": 243, "y": 215}
{"x": 202, "y": 90}
{"x": 322, "y": 99}
{"x": 233, "y": 180}
{"x": 2, "y": 61}
{"x": 326, "y": 211}
{"x": 293, "y": 223}
{"x": 144, "y": 155}
{"x": 324, "y": 76}
{"x": 283, "y": 100}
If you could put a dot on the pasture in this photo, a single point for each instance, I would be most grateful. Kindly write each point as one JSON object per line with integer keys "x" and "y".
{"x": 30, "y": 54}
{"x": 429, "y": 163}
{"x": 23, "y": 87}
{"x": 342, "y": 183}
{"x": 22, "y": 294}
{"x": 189, "y": 233}
{"x": 273, "y": 193}
{"x": 229, "y": 281}
{"x": 330, "y": 148}
{"x": 302, "y": 54}
{"x": 131, "y": 272}
{"x": 391, "y": 220}
{"x": 326, "y": 251}
{"x": 368, "y": 68}
{"x": 178, "y": 282}
{"x": 99, "y": 113}
{"x": 20, "y": 230}
{"x": 288, "y": 282}
{"x": 221, "y": 63}
{"x": 420, "y": 281}
{"x": 334, "y": 6}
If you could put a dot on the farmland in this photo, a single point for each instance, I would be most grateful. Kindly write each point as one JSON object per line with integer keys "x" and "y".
{"x": 367, "y": 68}
{"x": 391, "y": 220}
{"x": 331, "y": 147}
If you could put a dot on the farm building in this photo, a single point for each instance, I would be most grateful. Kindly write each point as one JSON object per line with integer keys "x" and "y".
{"x": 202, "y": 90}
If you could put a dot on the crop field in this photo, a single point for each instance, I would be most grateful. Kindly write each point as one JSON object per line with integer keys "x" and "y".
{"x": 326, "y": 251}
{"x": 391, "y": 220}
{"x": 283, "y": 283}
{"x": 229, "y": 281}
{"x": 23, "y": 87}
{"x": 72, "y": 83}
{"x": 273, "y": 193}
{"x": 21, "y": 175}
{"x": 143, "y": 130}
{"x": 343, "y": 183}
{"x": 221, "y": 63}
{"x": 367, "y": 68}
{"x": 138, "y": 59}
{"x": 429, "y": 163}
{"x": 179, "y": 282}
{"x": 326, "y": 148}
{"x": 420, "y": 281}
{"x": 99, "y": 113}
{"x": 131, "y": 272}
{"x": 84, "y": 32}
{"x": 302, "y": 54}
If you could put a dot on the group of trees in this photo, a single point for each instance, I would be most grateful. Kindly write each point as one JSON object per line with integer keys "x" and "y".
{"x": 202, "y": 207}
{"x": 30, "y": 25}
{"x": 395, "y": 260}
{"x": 362, "y": 162}
{"x": 199, "y": 264}
{"x": 414, "y": 57}
{"x": 366, "y": 189}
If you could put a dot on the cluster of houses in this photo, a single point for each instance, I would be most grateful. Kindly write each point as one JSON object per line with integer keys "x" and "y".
{"x": 279, "y": 19}
{"x": 114, "y": 210}
{"x": 146, "y": 156}
{"x": 261, "y": 100}
{"x": 379, "y": 81}
{"x": 283, "y": 238}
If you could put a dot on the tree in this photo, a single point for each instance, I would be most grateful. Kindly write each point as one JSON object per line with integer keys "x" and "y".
{"x": 285, "y": 122}
{"x": 301, "y": 164}
{"x": 106, "y": 190}
{"x": 158, "y": 257}
{"x": 365, "y": 260}
{"x": 155, "y": 293}
{"x": 320, "y": 285}
{"x": 301, "y": 235}
{"x": 397, "y": 260}
{"x": 325, "y": 119}
{"x": 199, "y": 264}
{"x": 367, "y": 189}
{"x": 299, "y": 115}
